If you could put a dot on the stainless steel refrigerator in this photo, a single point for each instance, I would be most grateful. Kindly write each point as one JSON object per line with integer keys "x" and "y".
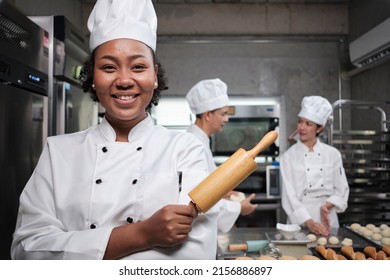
{"x": 23, "y": 110}
{"x": 70, "y": 108}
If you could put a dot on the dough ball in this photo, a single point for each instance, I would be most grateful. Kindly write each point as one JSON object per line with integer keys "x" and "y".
{"x": 370, "y": 226}
{"x": 238, "y": 197}
{"x": 383, "y": 226}
{"x": 322, "y": 241}
{"x": 386, "y": 232}
{"x": 355, "y": 226}
{"x": 376, "y": 236}
{"x": 311, "y": 237}
{"x": 362, "y": 229}
{"x": 367, "y": 233}
{"x": 333, "y": 240}
{"x": 376, "y": 230}
{"x": 385, "y": 241}
{"x": 347, "y": 242}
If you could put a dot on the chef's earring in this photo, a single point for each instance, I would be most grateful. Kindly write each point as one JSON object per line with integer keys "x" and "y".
{"x": 93, "y": 86}
{"x": 155, "y": 85}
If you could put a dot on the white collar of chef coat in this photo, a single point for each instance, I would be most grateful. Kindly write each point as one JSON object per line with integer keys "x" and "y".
{"x": 140, "y": 130}
{"x": 305, "y": 149}
{"x": 202, "y": 134}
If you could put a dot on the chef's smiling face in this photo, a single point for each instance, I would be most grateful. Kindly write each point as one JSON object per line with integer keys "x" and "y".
{"x": 125, "y": 77}
{"x": 307, "y": 130}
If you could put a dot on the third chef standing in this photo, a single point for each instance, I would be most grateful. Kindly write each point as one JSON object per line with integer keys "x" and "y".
{"x": 314, "y": 184}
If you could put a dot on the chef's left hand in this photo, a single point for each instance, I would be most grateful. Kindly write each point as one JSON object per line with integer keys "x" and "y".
{"x": 246, "y": 206}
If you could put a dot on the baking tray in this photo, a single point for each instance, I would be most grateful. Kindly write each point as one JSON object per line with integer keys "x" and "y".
{"x": 373, "y": 242}
{"x": 359, "y": 242}
{"x": 277, "y": 238}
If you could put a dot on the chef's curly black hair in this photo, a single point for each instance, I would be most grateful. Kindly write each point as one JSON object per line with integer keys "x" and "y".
{"x": 86, "y": 78}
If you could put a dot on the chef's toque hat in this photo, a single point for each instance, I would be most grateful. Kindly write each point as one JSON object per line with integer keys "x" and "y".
{"x": 316, "y": 109}
{"x": 115, "y": 19}
{"x": 207, "y": 95}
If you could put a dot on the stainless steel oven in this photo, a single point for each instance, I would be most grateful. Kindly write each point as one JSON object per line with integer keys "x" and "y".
{"x": 247, "y": 125}
{"x": 249, "y": 120}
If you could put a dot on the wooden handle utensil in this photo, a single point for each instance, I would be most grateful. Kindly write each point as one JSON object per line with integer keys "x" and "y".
{"x": 249, "y": 246}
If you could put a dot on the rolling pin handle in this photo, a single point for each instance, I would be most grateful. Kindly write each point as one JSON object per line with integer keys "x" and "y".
{"x": 267, "y": 140}
{"x": 237, "y": 247}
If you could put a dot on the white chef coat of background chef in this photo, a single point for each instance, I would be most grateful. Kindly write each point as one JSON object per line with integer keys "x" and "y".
{"x": 205, "y": 96}
{"x": 202, "y": 136}
{"x": 311, "y": 178}
{"x": 319, "y": 177}
{"x": 228, "y": 210}
{"x": 68, "y": 211}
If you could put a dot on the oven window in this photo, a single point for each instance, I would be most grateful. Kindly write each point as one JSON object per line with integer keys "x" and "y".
{"x": 244, "y": 133}
{"x": 255, "y": 183}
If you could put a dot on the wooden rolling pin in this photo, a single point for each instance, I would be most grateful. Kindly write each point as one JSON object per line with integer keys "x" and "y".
{"x": 249, "y": 246}
{"x": 228, "y": 175}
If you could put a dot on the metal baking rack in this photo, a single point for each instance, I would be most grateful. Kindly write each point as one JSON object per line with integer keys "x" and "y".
{"x": 366, "y": 158}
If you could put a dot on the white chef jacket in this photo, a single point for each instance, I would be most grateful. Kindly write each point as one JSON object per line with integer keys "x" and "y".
{"x": 85, "y": 184}
{"x": 228, "y": 210}
{"x": 309, "y": 179}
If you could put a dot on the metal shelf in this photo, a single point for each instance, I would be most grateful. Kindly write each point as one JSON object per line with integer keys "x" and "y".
{"x": 367, "y": 165}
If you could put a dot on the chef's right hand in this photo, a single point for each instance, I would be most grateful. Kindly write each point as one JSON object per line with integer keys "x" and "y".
{"x": 316, "y": 228}
{"x": 170, "y": 225}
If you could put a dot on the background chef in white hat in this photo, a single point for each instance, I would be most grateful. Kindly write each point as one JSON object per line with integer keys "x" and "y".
{"x": 113, "y": 191}
{"x": 208, "y": 100}
{"x": 314, "y": 185}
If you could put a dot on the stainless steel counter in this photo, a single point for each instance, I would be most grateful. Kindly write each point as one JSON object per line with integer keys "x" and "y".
{"x": 241, "y": 235}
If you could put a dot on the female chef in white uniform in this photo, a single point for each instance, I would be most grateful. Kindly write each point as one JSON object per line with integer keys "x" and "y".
{"x": 113, "y": 191}
{"x": 314, "y": 185}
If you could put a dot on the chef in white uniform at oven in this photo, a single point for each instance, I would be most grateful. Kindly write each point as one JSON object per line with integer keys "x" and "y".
{"x": 314, "y": 185}
{"x": 208, "y": 100}
{"x": 113, "y": 191}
